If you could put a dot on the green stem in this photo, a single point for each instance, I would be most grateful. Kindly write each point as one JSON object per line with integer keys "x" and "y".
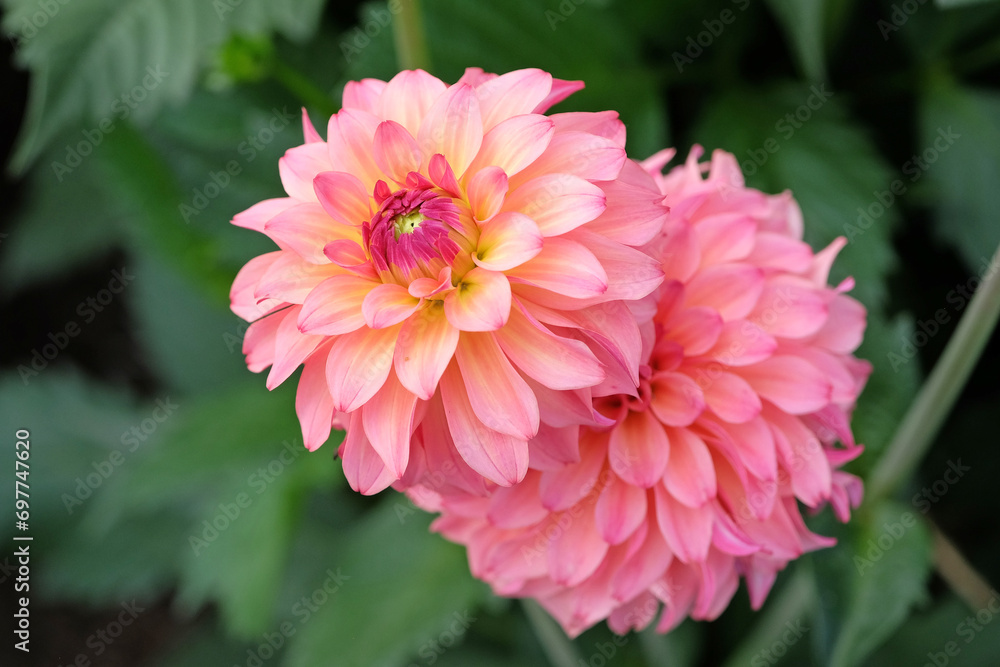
{"x": 558, "y": 648}
{"x": 944, "y": 385}
{"x": 303, "y": 88}
{"x": 408, "y": 33}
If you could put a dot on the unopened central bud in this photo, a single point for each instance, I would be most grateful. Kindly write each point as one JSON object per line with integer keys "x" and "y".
{"x": 405, "y": 224}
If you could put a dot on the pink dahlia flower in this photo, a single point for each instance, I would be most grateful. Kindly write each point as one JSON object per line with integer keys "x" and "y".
{"x": 454, "y": 267}
{"x": 746, "y": 386}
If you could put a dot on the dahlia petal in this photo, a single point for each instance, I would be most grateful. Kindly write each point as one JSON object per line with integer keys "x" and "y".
{"x": 363, "y": 467}
{"x": 358, "y": 366}
{"x": 517, "y": 506}
{"x": 677, "y": 400}
{"x": 632, "y": 274}
{"x": 730, "y": 538}
{"x": 508, "y": 240}
{"x": 690, "y": 475}
{"x": 778, "y": 251}
{"x": 755, "y": 447}
{"x": 790, "y": 311}
{"x": 556, "y": 362}
{"x": 687, "y": 530}
{"x": 487, "y": 191}
{"x": 513, "y": 144}
{"x": 257, "y": 215}
{"x": 792, "y": 384}
{"x": 741, "y": 342}
{"x": 731, "y": 397}
{"x": 803, "y": 458}
{"x": 426, "y": 287}
{"x": 388, "y": 304}
{"x": 388, "y": 422}
{"x": 453, "y": 127}
{"x": 299, "y": 166}
{"x": 634, "y": 215}
{"x": 343, "y": 197}
{"x": 396, "y": 152}
{"x": 732, "y": 289}
{"x": 335, "y": 306}
{"x": 638, "y": 449}
{"x": 695, "y": 329}
{"x": 258, "y": 342}
{"x": 560, "y": 90}
{"x": 565, "y": 267}
{"x": 426, "y": 345}
{"x": 500, "y": 458}
{"x": 605, "y": 124}
{"x": 408, "y": 97}
{"x": 309, "y": 132}
{"x": 512, "y": 94}
{"x": 306, "y": 229}
{"x": 620, "y": 509}
{"x": 291, "y": 278}
{"x": 242, "y": 299}
{"x": 363, "y": 94}
{"x": 291, "y": 348}
{"x": 555, "y": 447}
{"x": 443, "y": 176}
{"x": 480, "y": 302}
{"x": 313, "y": 404}
{"x": 498, "y": 395}
{"x": 349, "y": 136}
{"x": 558, "y": 203}
{"x": 580, "y": 154}
{"x": 561, "y": 489}
{"x": 725, "y": 237}
{"x": 576, "y": 552}
{"x": 844, "y": 326}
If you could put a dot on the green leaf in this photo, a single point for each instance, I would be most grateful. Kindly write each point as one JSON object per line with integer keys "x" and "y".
{"x": 405, "y": 588}
{"x": 65, "y": 452}
{"x": 802, "y": 21}
{"x": 944, "y": 627}
{"x": 89, "y": 57}
{"x": 48, "y": 215}
{"x": 869, "y": 586}
{"x": 192, "y": 343}
{"x": 960, "y": 140}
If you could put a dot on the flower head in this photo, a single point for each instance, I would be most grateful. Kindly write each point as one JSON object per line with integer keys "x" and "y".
{"x": 454, "y": 266}
{"x": 746, "y": 385}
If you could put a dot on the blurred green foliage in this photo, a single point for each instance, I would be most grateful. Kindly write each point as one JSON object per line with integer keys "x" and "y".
{"x": 144, "y": 133}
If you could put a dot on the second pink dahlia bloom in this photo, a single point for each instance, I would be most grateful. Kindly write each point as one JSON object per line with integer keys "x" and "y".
{"x": 746, "y": 386}
{"x": 452, "y": 267}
